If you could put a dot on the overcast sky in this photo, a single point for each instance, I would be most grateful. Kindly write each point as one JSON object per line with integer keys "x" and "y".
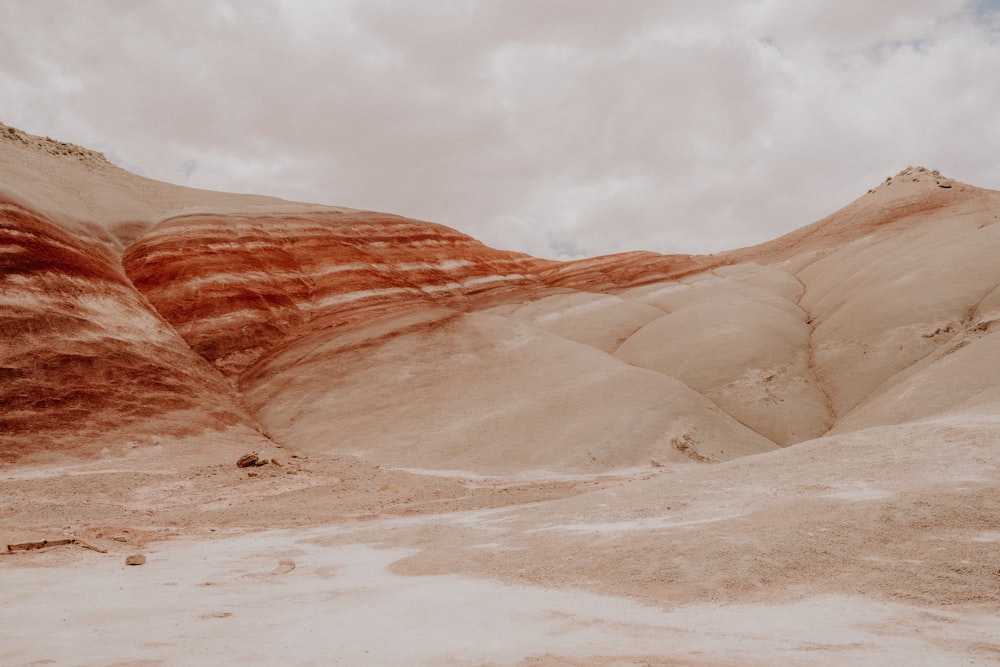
{"x": 556, "y": 127}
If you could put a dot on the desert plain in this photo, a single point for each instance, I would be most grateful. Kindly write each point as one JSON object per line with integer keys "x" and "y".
{"x": 783, "y": 454}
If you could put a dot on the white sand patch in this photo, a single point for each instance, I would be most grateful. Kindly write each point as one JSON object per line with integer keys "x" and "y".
{"x": 537, "y": 475}
{"x": 882, "y": 559}
{"x": 460, "y": 474}
{"x": 856, "y": 492}
{"x": 282, "y": 598}
{"x": 48, "y": 471}
{"x": 988, "y": 536}
{"x": 645, "y": 523}
{"x": 496, "y": 547}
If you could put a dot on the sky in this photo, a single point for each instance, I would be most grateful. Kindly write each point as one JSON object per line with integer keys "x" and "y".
{"x": 560, "y": 128}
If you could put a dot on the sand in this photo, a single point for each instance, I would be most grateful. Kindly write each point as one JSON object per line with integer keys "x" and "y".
{"x": 284, "y": 597}
{"x": 828, "y": 553}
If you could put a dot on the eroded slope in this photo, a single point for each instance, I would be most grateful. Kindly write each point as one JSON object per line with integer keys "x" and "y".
{"x": 234, "y": 286}
{"x": 436, "y": 388}
{"x": 86, "y": 364}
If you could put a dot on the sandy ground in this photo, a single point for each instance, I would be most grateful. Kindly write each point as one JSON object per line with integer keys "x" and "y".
{"x": 334, "y": 560}
{"x": 283, "y": 597}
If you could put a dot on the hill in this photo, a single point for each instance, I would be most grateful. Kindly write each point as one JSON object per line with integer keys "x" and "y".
{"x": 785, "y": 452}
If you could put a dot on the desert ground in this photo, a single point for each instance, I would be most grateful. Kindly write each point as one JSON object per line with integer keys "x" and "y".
{"x": 784, "y": 454}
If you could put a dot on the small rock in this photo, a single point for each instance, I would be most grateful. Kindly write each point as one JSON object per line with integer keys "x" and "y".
{"x": 135, "y": 559}
{"x": 251, "y": 474}
{"x": 261, "y": 462}
{"x": 246, "y": 461}
{"x": 120, "y": 538}
{"x": 284, "y": 567}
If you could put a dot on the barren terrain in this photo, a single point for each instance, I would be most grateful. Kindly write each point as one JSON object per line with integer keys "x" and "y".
{"x": 785, "y": 454}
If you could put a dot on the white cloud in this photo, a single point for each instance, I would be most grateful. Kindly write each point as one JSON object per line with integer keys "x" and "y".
{"x": 551, "y": 127}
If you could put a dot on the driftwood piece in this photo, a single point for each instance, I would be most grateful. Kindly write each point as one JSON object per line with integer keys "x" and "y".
{"x": 28, "y": 546}
{"x": 90, "y": 546}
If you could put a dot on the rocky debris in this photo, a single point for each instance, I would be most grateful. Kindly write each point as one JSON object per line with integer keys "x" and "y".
{"x": 135, "y": 559}
{"x": 254, "y": 459}
{"x": 247, "y": 460}
{"x": 53, "y": 147}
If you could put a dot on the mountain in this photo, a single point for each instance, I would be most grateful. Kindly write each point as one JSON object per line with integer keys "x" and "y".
{"x": 782, "y": 453}
{"x": 135, "y": 311}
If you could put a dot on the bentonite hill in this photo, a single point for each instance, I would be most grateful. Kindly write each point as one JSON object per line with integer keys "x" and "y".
{"x": 784, "y": 454}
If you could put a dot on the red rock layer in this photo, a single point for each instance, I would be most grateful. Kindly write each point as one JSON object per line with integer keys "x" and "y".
{"x": 233, "y": 286}
{"x": 627, "y": 269}
{"x": 84, "y": 359}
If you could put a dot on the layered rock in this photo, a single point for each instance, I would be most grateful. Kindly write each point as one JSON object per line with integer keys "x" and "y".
{"x": 86, "y": 364}
{"x": 233, "y": 285}
{"x": 626, "y": 269}
{"x": 134, "y": 310}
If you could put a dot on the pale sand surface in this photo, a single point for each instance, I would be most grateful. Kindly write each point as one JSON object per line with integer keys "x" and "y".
{"x": 846, "y": 550}
{"x": 235, "y": 600}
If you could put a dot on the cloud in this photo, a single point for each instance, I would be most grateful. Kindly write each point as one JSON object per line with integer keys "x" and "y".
{"x": 552, "y": 127}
